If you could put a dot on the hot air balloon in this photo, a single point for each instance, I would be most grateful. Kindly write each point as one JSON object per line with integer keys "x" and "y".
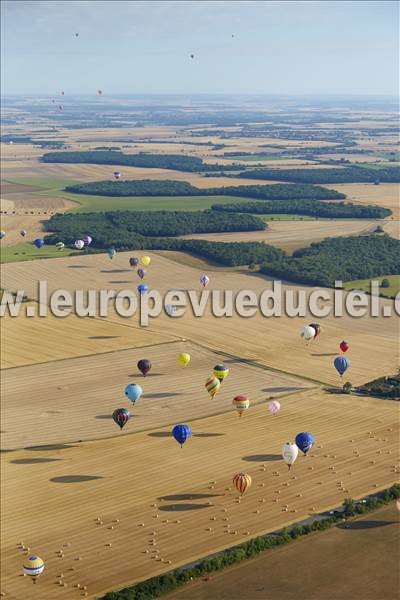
{"x": 99, "y": 92}
{"x": 62, "y": 93}
{"x": 133, "y": 391}
{"x": 204, "y": 280}
{"x": 241, "y": 403}
{"x": 111, "y": 253}
{"x": 133, "y": 262}
{"x": 184, "y": 359}
{"x": 341, "y": 364}
{"x": 144, "y": 366}
{"x": 289, "y": 452}
{"x": 23, "y": 232}
{"x": 79, "y": 244}
{"x": 77, "y": 35}
{"x": 11, "y": 142}
{"x": 146, "y": 260}
{"x": 141, "y": 273}
{"x": 39, "y": 243}
{"x": 221, "y": 372}
{"x": 308, "y": 333}
{"x": 142, "y": 288}
{"x": 305, "y": 441}
{"x": 60, "y": 245}
{"x": 242, "y": 482}
{"x": 344, "y": 346}
{"x": 53, "y": 101}
{"x": 60, "y": 107}
{"x": 192, "y": 56}
{"x": 274, "y": 407}
{"x": 121, "y": 416}
{"x": 2, "y": 234}
{"x": 117, "y": 174}
{"x": 33, "y": 567}
{"x": 169, "y": 309}
{"x": 317, "y": 328}
{"x": 181, "y": 433}
{"x": 87, "y": 239}
{"x": 212, "y": 385}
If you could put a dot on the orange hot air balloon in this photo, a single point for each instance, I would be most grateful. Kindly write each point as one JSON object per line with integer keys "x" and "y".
{"x": 241, "y": 403}
{"x": 242, "y": 482}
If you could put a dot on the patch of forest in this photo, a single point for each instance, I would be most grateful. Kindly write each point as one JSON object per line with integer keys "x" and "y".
{"x": 351, "y": 174}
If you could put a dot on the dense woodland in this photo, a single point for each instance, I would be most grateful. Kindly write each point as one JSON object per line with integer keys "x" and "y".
{"x": 383, "y": 387}
{"x": 353, "y": 174}
{"x": 331, "y": 210}
{"x": 177, "y": 162}
{"x": 153, "y": 187}
{"x": 341, "y": 258}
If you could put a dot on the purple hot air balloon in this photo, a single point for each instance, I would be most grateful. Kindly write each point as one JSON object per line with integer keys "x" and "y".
{"x": 121, "y": 416}
{"x": 117, "y": 174}
{"x": 134, "y": 261}
{"x": 87, "y": 239}
{"x": 204, "y": 280}
{"x": 141, "y": 272}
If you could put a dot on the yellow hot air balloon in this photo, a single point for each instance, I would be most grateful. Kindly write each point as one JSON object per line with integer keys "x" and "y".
{"x": 33, "y": 566}
{"x": 146, "y": 260}
{"x": 184, "y": 359}
{"x": 241, "y": 403}
{"x": 242, "y": 482}
{"x": 221, "y": 372}
{"x": 212, "y": 385}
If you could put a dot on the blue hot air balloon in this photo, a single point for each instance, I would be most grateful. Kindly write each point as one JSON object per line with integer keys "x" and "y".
{"x": 142, "y": 288}
{"x": 39, "y": 243}
{"x": 181, "y": 433}
{"x": 305, "y": 441}
{"x": 133, "y": 391}
{"x": 341, "y": 364}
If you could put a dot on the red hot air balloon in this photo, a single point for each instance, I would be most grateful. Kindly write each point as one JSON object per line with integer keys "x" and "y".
{"x": 344, "y": 346}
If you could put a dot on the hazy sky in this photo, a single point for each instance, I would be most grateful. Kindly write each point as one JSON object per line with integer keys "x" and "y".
{"x": 126, "y": 46}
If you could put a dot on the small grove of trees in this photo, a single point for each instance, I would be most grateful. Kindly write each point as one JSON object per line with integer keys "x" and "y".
{"x": 383, "y": 387}
{"x": 353, "y": 174}
{"x": 157, "y": 586}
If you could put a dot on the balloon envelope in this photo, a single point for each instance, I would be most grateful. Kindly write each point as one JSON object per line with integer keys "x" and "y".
{"x": 117, "y": 174}
{"x": 142, "y": 288}
{"x": 212, "y": 385}
{"x": 184, "y": 359}
{"x": 2, "y": 234}
{"x": 181, "y": 433}
{"x": 60, "y": 245}
{"x": 111, "y": 252}
{"x": 87, "y": 239}
{"x": 341, "y": 364}
{"x": 289, "y": 453}
{"x": 344, "y": 346}
{"x": 121, "y": 416}
{"x": 146, "y": 260}
{"x": 144, "y": 365}
{"x": 221, "y": 372}
{"x": 133, "y": 391}
{"x": 242, "y": 482}
{"x": 33, "y": 566}
{"x": 23, "y": 232}
{"x": 133, "y": 261}
{"x": 39, "y": 243}
{"x": 305, "y": 441}
{"x": 79, "y": 244}
{"x": 141, "y": 273}
{"x": 274, "y": 407}
{"x": 241, "y": 403}
{"x": 316, "y": 327}
{"x": 308, "y": 333}
{"x": 204, "y": 280}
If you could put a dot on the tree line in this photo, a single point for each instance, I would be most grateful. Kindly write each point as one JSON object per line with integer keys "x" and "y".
{"x": 353, "y": 174}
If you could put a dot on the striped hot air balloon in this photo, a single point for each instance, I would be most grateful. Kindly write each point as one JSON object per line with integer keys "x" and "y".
{"x": 242, "y": 482}
{"x": 121, "y": 416}
{"x": 212, "y": 385}
{"x": 33, "y": 567}
{"x": 241, "y": 403}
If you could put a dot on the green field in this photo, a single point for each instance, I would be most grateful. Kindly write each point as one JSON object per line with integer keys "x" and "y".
{"x": 365, "y": 284}
{"x": 27, "y": 251}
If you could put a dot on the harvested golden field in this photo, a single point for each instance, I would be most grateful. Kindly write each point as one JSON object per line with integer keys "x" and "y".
{"x": 108, "y": 513}
{"x": 290, "y": 235}
{"x": 28, "y": 341}
{"x": 384, "y": 194}
{"x": 366, "y": 555}
{"x": 61, "y": 392}
{"x": 273, "y": 341}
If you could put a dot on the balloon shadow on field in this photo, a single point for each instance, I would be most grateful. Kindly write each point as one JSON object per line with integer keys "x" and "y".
{"x": 33, "y": 461}
{"x": 116, "y": 271}
{"x": 119, "y": 282}
{"x": 138, "y": 374}
{"x": 326, "y": 354}
{"x": 74, "y": 478}
{"x": 50, "y": 448}
{"x": 207, "y": 435}
{"x": 177, "y": 497}
{"x": 182, "y": 507}
{"x": 262, "y": 457}
{"x": 281, "y": 389}
{"x": 160, "y": 434}
{"x": 103, "y": 417}
{"x": 365, "y": 524}
{"x": 78, "y": 267}
{"x": 162, "y": 395}
{"x": 103, "y": 337}
{"x": 6, "y": 450}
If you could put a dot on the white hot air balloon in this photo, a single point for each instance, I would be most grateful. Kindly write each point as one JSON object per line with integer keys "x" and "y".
{"x": 79, "y": 244}
{"x": 274, "y": 407}
{"x": 204, "y": 280}
{"x": 289, "y": 453}
{"x": 308, "y": 333}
